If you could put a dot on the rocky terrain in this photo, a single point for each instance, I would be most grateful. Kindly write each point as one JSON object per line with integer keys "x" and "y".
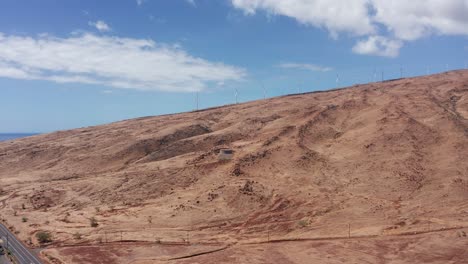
{"x": 357, "y": 175}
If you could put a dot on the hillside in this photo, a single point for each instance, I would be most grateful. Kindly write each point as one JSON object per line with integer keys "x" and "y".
{"x": 380, "y": 159}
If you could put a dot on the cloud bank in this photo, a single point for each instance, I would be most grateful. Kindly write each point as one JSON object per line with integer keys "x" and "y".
{"x": 110, "y": 61}
{"x": 382, "y": 25}
{"x": 304, "y": 66}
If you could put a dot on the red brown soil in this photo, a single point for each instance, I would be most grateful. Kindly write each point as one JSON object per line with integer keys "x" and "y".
{"x": 384, "y": 159}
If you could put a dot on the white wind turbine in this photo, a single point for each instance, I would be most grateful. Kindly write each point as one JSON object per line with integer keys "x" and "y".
{"x": 237, "y": 93}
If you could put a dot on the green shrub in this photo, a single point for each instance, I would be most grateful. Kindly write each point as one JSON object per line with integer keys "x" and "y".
{"x": 303, "y": 223}
{"x": 77, "y": 236}
{"x": 43, "y": 237}
{"x": 93, "y": 222}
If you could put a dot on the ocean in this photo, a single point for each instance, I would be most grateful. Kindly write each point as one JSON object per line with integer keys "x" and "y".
{"x": 10, "y": 136}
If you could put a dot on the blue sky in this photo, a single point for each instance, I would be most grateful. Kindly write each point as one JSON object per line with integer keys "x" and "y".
{"x": 68, "y": 64}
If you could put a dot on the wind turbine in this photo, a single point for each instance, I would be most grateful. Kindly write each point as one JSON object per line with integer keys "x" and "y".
{"x": 264, "y": 90}
{"x": 236, "y": 95}
{"x": 299, "y": 84}
{"x": 337, "y": 80}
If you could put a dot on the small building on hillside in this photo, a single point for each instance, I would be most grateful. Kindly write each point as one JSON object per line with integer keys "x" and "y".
{"x": 225, "y": 154}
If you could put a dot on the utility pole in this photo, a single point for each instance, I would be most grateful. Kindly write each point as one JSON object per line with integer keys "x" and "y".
{"x": 349, "y": 230}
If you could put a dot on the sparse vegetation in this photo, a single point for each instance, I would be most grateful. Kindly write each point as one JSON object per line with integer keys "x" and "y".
{"x": 43, "y": 237}
{"x": 303, "y": 223}
{"x": 65, "y": 218}
{"x": 308, "y": 183}
{"x": 93, "y": 222}
{"x": 77, "y": 236}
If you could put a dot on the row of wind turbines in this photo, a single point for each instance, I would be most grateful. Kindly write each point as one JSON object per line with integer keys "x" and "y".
{"x": 337, "y": 81}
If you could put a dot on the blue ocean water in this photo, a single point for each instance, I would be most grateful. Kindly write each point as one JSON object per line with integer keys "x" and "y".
{"x": 10, "y": 136}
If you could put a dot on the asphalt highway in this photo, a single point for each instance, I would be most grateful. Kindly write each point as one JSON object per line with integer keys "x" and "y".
{"x": 22, "y": 254}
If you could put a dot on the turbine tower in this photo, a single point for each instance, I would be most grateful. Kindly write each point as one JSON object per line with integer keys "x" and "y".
{"x": 264, "y": 90}
{"x": 236, "y": 95}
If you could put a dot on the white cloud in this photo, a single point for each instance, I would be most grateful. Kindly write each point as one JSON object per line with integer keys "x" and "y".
{"x": 100, "y": 25}
{"x": 140, "y": 2}
{"x": 191, "y": 2}
{"x": 386, "y": 23}
{"x": 304, "y": 66}
{"x": 158, "y": 20}
{"x": 335, "y": 16}
{"x": 110, "y": 61}
{"x": 378, "y": 45}
{"x": 410, "y": 20}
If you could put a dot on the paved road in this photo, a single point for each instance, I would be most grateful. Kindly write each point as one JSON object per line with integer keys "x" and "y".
{"x": 22, "y": 254}
{"x": 4, "y": 260}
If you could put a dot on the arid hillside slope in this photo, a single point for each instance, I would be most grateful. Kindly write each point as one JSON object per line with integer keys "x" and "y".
{"x": 382, "y": 158}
